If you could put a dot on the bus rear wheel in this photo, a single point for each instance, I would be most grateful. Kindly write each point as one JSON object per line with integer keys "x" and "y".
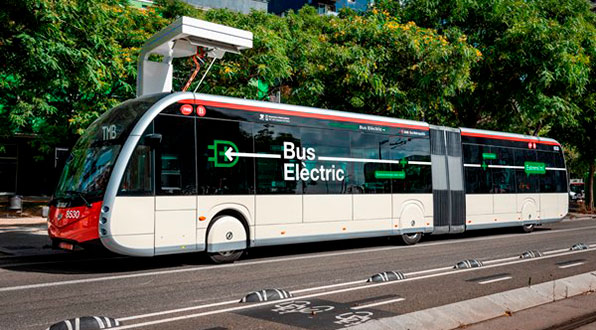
{"x": 224, "y": 257}
{"x": 411, "y": 238}
{"x": 528, "y": 228}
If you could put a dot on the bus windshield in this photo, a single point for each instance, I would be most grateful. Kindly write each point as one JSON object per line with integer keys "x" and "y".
{"x": 87, "y": 171}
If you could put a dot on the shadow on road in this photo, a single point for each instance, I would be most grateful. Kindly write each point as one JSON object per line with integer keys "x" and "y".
{"x": 105, "y": 262}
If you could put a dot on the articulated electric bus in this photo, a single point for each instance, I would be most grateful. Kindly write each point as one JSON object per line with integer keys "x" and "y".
{"x": 184, "y": 172}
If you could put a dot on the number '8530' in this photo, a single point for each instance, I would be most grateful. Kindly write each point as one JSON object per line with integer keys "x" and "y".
{"x": 72, "y": 214}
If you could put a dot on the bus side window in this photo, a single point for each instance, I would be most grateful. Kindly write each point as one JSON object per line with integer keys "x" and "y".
{"x": 220, "y": 173}
{"x": 364, "y": 174}
{"x": 503, "y": 179}
{"x": 175, "y": 156}
{"x": 327, "y": 143}
{"x": 137, "y": 179}
{"x": 418, "y": 178}
{"x": 269, "y": 139}
{"x": 525, "y": 183}
{"x": 478, "y": 180}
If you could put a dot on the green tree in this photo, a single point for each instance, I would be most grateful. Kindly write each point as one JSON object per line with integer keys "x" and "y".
{"x": 581, "y": 134}
{"x": 369, "y": 63}
{"x": 537, "y": 72}
{"x": 534, "y": 63}
{"x": 66, "y": 62}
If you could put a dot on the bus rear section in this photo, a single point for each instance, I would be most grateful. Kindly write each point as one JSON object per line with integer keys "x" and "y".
{"x": 513, "y": 180}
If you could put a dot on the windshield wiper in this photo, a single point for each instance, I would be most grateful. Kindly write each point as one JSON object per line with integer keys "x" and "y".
{"x": 80, "y": 194}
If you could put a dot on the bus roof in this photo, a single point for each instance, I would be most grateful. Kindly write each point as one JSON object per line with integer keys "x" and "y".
{"x": 302, "y": 111}
{"x": 506, "y": 136}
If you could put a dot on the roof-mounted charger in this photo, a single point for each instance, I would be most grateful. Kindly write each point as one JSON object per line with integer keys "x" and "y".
{"x": 183, "y": 38}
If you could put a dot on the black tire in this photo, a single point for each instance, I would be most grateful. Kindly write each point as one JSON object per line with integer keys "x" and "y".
{"x": 411, "y": 239}
{"x": 528, "y": 228}
{"x": 225, "y": 257}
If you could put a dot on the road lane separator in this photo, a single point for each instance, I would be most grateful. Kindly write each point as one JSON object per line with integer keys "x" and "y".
{"x": 318, "y": 294}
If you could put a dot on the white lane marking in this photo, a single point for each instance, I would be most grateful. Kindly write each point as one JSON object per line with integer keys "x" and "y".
{"x": 77, "y": 324}
{"x": 571, "y": 265}
{"x": 360, "y": 287}
{"x": 68, "y": 324}
{"x": 555, "y": 251}
{"x": 496, "y": 261}
{"x": 379, "y": 303}
{"x": 172, "y": 311}
{"x": 498, "y": 279}
{"x": 282, "y": 259}
{"x": 433, "y": 270}
{"x": 329, "y": 286}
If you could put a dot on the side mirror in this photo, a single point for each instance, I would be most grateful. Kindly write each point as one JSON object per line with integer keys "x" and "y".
{"x": 153, "y": 140}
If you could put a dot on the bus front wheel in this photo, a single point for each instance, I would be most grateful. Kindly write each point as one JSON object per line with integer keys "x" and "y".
{"x": 224, "y": 257}
{"x": 528, "y": 228}
{"x": 411, "y": 239}
{"x": 227, "y": 239}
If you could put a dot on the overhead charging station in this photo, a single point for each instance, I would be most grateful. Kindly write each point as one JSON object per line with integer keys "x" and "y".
{"x": 185, "y": 37}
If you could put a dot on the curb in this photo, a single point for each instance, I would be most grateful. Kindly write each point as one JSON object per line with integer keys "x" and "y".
{"x": 484, "y": 308}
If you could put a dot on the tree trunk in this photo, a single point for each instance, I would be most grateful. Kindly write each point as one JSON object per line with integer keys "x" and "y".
{"x": 590, "y": 192}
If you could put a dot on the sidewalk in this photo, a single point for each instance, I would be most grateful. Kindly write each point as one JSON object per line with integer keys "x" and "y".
{"x": 579, "y": 216}
{"x": 22, "y": 236}
{"x": 21, "y": 221}
{"x": 545, "y": 316}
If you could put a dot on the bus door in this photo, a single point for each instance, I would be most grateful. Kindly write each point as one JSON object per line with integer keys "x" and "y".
{"x": 449, "y": 199}
{"x": 175, "y": 182}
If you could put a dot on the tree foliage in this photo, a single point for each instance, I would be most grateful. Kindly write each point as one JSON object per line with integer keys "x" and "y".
{"x": 535, "y": 63}
{"x": 525, "y": 66}
{"x": 66, "y": 62}
{"x": 369, "y": 63}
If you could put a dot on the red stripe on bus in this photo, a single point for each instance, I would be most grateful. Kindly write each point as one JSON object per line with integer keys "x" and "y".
{"x": 300, "y": 114}
{"x": 510, "y": 138}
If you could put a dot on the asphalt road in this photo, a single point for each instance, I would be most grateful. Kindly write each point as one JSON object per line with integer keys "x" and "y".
{"x": 327, "y": 280}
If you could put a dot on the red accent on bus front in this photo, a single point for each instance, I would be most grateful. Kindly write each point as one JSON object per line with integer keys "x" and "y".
{"x": 301, "y": 114}
{"x": 510, "y": 138}
{"x": 79, "y": 224}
